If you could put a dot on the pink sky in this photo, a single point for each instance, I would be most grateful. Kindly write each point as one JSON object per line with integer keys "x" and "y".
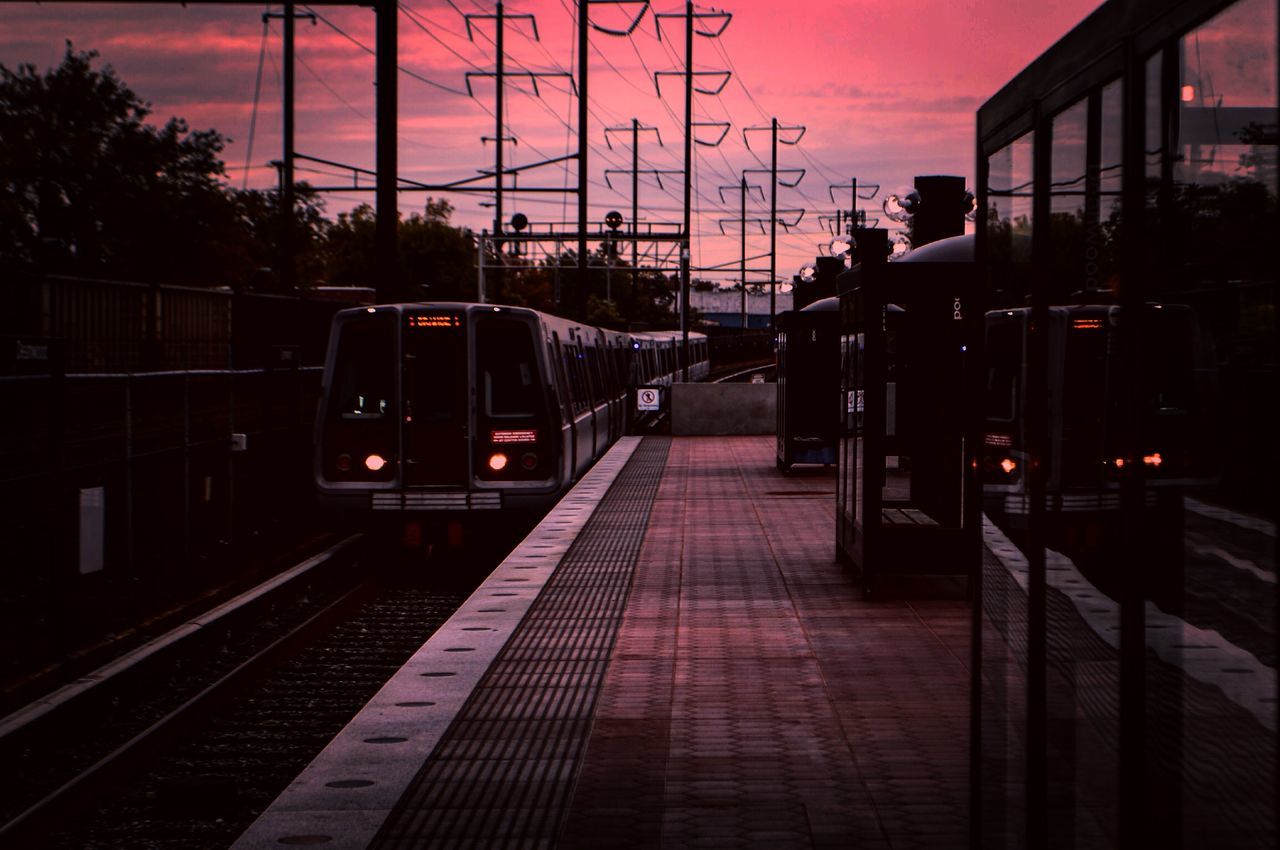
{"x": 886, "y": 90}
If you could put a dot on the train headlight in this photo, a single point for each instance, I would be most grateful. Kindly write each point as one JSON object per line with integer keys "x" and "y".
{"x": 375, "y": 462}
{"x": 497, "y": 461}
{"x": 1008, "y": 465}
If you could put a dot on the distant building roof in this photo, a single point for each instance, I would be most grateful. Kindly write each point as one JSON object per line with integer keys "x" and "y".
{"x": 730, "y": 301}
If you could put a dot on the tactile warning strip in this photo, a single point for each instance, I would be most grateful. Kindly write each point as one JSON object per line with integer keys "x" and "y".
{"x": 503, "y": 775}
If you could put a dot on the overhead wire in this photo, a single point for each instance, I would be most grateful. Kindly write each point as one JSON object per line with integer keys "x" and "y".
{"x": 257, "y": 91}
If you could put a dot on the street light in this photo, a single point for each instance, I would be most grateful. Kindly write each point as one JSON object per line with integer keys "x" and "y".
{"x": 901, "y": 207}
{"x": 899, "y": 248}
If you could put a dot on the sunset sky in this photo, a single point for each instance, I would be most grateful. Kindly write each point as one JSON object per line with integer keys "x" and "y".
{"x": 886, "y": 90}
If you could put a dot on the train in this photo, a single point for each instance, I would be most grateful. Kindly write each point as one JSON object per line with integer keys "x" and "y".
{"x": 433, "y": 413}
{"x": 1084, "y": 465}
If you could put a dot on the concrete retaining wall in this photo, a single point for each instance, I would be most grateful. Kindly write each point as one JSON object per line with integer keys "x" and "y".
{"x": 709, "y": 409}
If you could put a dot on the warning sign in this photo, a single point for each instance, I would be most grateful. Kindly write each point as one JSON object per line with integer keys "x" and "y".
{"x": 648, "y": 398}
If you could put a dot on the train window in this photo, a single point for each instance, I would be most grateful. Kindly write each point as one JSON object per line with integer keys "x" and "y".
{"x": 364, "y": 367}
{"x": 562, "y": 378}
{"x": 1009, "y": 193}
{"x": 573, "y": 364}
{"x": 507, "y": 367}
{"x": 1068, "y": 220}
{"x": 1004, "y": 366}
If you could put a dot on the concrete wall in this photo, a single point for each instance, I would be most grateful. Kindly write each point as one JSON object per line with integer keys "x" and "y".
{"x": 706, "y": 409}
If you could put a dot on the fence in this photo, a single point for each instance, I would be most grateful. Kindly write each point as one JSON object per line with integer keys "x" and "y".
{"x": 122, "y": 492}
{"x": 55, "y": 324}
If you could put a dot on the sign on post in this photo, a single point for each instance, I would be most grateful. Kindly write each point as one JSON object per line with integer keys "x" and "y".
{"x": 648, "y": 398}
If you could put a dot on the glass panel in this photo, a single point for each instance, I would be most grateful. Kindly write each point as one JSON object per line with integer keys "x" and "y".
{"x": 507, "y": 365}
{"x": 1208, "y": 451}
{"x": 1082, "y": 510}
{"x": 1005, "y": 564}
{"x": 360, "y": 416}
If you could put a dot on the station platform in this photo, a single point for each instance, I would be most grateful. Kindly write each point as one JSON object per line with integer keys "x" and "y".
{"x": 673, "y": 658}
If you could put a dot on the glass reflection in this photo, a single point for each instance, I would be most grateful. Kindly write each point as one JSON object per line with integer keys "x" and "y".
{"x": 1210, "y": 420}
{"x": 1005, "y": 567}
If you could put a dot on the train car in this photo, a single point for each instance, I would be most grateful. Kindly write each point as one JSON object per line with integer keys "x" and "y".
{"x": 808, "y": 383}
{"x": 1085, "y": 462}
{"x": 441, "y": 412}
{"x": 656, "y": 357}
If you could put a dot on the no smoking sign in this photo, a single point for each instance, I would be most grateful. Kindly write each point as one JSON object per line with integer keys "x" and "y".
{"x": 648, "y": 398}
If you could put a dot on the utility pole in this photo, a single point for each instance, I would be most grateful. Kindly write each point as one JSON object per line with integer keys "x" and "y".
{"x": 634, "y": 128}
{"x": 500, "y": 18}
{"x": 685, "y": 254}
{"x": 288, "y": 278}
{"x": 742, "y": 268}
{"x": 853, "y": 217}
{"x": 584, "y": 21}
{"x": 386, "y": 236}
{"x": 773, "y": 129}
{"x": 743, "y": 188}
{"x": 773, "y": 232}
{"x": 287, "y": 193}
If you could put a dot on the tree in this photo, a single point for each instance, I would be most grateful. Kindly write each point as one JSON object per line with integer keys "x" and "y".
{"x": 437, "y": 260}
{"x": 91, "y": 188}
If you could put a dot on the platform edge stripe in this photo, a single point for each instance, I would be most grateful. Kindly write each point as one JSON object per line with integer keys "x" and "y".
{"x": 309, "y": 807}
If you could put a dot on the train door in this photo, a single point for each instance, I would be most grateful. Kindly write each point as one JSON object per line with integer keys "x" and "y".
{"x": 569, "y": 431}
{"x": 436, "y": 409}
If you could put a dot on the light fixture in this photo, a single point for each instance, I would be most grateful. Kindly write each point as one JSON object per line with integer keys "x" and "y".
{"x": 900, "y": 207}
{"x": 898, "y": 248}
{"x": 841, "y": 247}
{"x": 807, "y": 272}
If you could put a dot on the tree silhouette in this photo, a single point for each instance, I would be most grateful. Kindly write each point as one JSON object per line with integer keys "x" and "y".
{"x": 92, "y": 188}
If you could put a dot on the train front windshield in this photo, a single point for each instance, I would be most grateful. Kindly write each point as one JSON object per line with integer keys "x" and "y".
{"x": 359, "y": 439}
{"x": 513, "y": 430}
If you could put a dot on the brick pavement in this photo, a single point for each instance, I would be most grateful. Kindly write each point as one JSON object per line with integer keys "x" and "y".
{"x": 754, "y": 698}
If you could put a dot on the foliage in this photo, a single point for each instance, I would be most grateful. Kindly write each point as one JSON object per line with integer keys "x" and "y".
{"x": 91, "y": 188}
{"x": 437, "y": 260}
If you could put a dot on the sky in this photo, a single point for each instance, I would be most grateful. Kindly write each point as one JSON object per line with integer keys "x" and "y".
{"x": 885, "y": 91}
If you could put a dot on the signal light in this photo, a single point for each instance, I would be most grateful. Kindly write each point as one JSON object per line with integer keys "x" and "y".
{"x": 373, "y": 463}
{"x": 497, "y": 461}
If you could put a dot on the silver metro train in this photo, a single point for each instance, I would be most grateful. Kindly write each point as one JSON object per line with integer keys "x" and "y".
{"x": 441, "y": 410}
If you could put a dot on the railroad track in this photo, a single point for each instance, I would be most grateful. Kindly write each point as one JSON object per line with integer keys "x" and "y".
{"x": 184, "y": 748}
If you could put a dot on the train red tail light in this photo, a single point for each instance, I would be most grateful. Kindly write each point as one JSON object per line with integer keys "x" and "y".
{"x": 343, "y": 463}
{"x": 529, "y": 461}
